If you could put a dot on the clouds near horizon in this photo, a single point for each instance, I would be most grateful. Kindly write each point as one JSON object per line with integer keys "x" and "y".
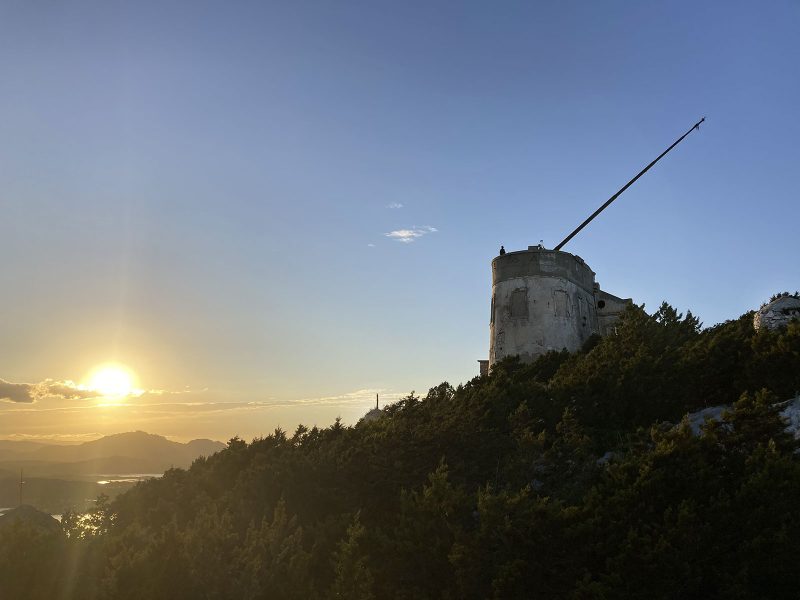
{"x": 16, "y": 392}
{"x": 201, "y": 414}
{"x": 31, "y": 392}
{"x": 27, "y": 393}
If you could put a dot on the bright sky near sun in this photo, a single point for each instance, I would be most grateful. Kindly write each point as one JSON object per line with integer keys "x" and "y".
{"x": 263, "y": 213}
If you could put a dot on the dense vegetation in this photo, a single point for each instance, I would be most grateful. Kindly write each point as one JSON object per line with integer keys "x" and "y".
{"x": 569, "y": 478}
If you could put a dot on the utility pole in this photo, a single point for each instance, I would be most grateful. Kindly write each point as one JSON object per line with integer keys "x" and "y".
{"x": 21, "y": 483}
{"x": 626, "y": 186}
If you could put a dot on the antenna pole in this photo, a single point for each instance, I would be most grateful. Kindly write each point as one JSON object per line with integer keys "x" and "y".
{"x": 626, "y": 186}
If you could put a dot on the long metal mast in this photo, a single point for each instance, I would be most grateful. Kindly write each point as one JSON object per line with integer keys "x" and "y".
{"x": 626, "y": 186}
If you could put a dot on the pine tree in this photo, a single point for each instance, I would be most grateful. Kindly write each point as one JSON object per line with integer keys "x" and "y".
{"x": 354, "y": 580}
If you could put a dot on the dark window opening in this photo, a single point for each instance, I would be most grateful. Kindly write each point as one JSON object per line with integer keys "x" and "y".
{"x": 601, "y": 304}
{"x": 519, "y": 303}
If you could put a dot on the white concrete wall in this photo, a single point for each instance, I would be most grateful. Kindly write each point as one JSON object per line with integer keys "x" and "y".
{"x": 535, "y": 314}
{"x": 609, "y": 309}
{"x": 545, "y": 300}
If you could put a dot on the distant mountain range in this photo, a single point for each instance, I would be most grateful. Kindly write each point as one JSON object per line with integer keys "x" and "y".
{"x": 133, "y": 452}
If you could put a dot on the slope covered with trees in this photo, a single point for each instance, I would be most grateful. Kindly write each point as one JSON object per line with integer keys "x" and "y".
{"x": 573, "y": 477}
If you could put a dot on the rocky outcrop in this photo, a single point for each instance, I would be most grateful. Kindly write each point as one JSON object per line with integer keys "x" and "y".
{"x": 790, "y": 414}
{"x": 777, "y": 313}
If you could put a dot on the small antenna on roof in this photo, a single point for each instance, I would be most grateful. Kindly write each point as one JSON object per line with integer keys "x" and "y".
{"x": 626, "y": 186}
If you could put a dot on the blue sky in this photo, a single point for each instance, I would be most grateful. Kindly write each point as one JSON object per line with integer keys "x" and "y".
{"x": 202, "y": 191}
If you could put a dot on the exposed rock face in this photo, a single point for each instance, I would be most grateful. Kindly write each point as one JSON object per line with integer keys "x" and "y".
{"x": 790, "y": 414}
{"x": 777, "y": 313}
{"x": 698, "y": 418}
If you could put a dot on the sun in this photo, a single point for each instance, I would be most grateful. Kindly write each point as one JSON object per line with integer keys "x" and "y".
{"x": 112, "y": 381}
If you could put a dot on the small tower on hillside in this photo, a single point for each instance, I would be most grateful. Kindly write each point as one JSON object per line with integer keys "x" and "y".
{"x": 374, "y": 414}
{"x": 21, "y": 483}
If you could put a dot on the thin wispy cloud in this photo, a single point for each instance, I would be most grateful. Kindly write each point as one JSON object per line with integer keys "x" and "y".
{"x": 406, "y": 236}
{"x": 181, "y": 416}
{"x": 72, "y": 438}
{"x": 144, "y": 406}
{"x": 394, "y": 205}
{"x": 364, "y": 398}
{"x": 154, "y": 414}
{"x": 357, "y": 397}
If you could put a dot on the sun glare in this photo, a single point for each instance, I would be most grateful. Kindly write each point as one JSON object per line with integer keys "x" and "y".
{"x": 112, "y": 381}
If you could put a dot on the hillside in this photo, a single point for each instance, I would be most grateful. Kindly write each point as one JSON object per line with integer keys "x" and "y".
{"x": 61, "y": 476}
{"x": 29, "y": 516}
{"x": 575, "y": 477}
{"x": 133, "y": 452}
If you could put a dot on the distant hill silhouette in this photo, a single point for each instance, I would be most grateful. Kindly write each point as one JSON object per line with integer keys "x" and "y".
{"x": 61, "y": 476}
{"x": 132, "y": 452}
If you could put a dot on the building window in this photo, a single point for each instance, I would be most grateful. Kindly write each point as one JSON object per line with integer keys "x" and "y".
{"x": 561, "y": 303}
{"x": 519, "y": 303}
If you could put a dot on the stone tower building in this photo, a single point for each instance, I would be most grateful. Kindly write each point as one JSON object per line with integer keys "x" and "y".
{"x": 545, "y": 300}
